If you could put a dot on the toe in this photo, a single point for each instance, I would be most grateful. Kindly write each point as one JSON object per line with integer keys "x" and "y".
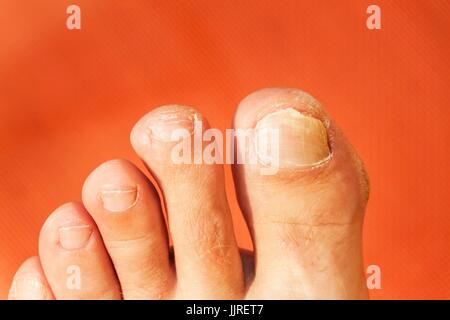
{"x": 127, "y": 211}
{"x": 74, "y": 258}
{"x": 169, "y": 140}
{"x": 303, "y": 197}
{"x": 29, "y": 282}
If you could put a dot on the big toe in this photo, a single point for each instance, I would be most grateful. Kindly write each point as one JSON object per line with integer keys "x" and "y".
{"x": 303, "y": 196}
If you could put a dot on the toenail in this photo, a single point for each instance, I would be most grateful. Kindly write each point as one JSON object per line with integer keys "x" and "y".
{"x": 74, "y": 237}
{"x": 302, "y": 139}
{"x": 118, "y": 199}
{"x": 166, "y": 123}
{"x": 27, "y": 287}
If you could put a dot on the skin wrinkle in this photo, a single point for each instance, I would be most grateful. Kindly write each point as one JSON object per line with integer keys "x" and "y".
{"x": 223, "y": 255}
{"x": 292, "y": 238}
{"x": 154, "y": 276}
{"x": 159, "y": 292}
{"x": 216, "y": 245}
{"x": 314, "y": 225}
{"x": 208, "y": 241}
{"x": 319, "y": 267}
{"x": 119, "y": 243}
{"x": 312, "y": 216}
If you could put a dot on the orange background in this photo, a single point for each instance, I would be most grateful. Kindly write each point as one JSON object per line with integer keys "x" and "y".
{"x": 68, "y": 100}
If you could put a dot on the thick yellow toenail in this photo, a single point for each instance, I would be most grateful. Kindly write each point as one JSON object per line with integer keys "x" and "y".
{"x": 302, "y": 140}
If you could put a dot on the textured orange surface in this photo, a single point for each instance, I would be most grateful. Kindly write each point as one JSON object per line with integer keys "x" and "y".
{"x": 68, "y": 100}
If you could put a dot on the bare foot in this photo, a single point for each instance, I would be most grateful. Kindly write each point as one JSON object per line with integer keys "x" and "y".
{"x": 305, "y": 220}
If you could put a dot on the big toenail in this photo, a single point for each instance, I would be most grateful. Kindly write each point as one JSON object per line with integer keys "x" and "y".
{"x": 169, "y": 124}
{"x": 27, "y": 287}
{"x": 118, "y": 199}
{"x": 302, "y": 140}
{"x": 74, "y": 237}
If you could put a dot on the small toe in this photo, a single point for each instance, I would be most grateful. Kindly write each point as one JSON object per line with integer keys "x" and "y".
{"x": 74, "y": 258}
{"x": 30, "y": 283}
{"x": 127, "y": 211}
